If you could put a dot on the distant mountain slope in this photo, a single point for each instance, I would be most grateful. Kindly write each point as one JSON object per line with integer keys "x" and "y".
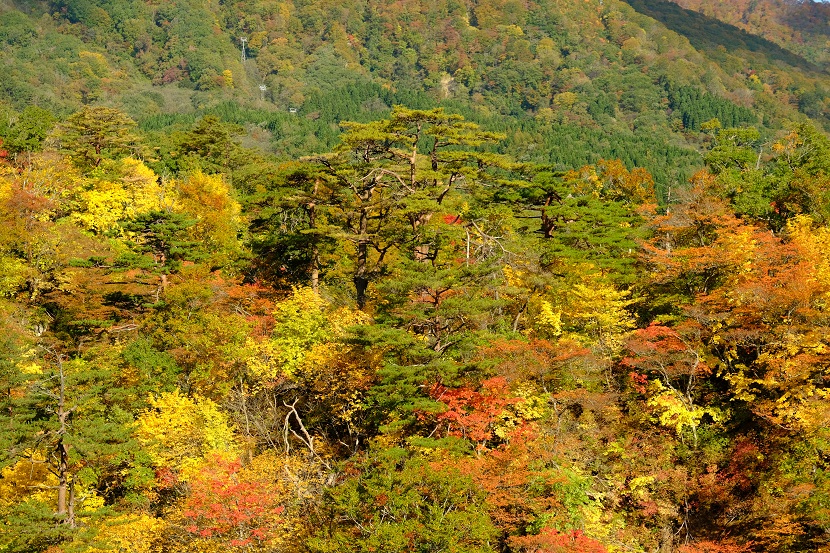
{"x": 708, "y": 33}
{"x": 567, "y": 82}
{"x": 800, "y": 26}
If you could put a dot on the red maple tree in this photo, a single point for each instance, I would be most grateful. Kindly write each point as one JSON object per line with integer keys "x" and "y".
{"x": 225, "y": 506}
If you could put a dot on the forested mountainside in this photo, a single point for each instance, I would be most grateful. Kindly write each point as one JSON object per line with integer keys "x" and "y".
{"x": 569, "y": 83}
{"x": 484, "y": 276}
{"x": 797, "y": 25}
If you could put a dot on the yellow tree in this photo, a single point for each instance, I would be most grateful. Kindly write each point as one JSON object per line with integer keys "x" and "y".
{"x": 128, "y": 188}
{"x": 179, "y": 432}
{"x": 209, "y": 200}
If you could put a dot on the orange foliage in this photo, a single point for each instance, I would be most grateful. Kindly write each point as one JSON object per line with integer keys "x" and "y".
{"x": 471, "y": 414}
{"x": 222, "y": 505}
{"x": 550, "y": 540}
{"x": 713, "y": 547}
{"x": 537, "y": 360}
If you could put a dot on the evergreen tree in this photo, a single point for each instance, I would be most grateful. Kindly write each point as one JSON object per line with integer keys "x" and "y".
{"x": 94, "y": 134}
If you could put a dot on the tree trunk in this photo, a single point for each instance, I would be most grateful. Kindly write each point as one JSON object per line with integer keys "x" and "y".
{"x": 548, "y": 223}
{"x": 361, "y": 278}
{"x": 70, "y": 512}
{"x": 666, "y": 539}
{"x": 65, "y": 485}
{"x": 315, "y": 268}
{"x": 421, "y": 253}
{"x": 314, "y": 262}
{"x": 62, "y": 478}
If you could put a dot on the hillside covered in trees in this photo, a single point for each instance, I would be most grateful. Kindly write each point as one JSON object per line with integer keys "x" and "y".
{"x": 797, "y": 25}
{"x": 410, "y": 276}
{"x": 568, "y": 83}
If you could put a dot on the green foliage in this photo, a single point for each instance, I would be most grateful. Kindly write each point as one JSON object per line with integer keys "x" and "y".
{"x": 696, "y": 108}
{"x": 73, "y": 425}
{"x": 211, "y": 144}
{"x": 31, "y": 526}
{"x": 162, "y": 235}
{"x": 94, "y": 134}
{"x": 26, "y": 131}
{"x": 157, "y": 369}
{"x": 398, "y": 502}
{"x": 775, "y": 187}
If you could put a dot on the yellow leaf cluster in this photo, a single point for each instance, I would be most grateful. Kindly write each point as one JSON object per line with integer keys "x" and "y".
{"x": 548, "y": 319}
{"x": 303, "y": 322}
{"x": 26, "y": 479}
{"x": 209, "y": 199}
{"x": 178, "y": 431}
{"x": 104, "y": 202}
{"x": 127, "y": 533}
{"x": 743, "y": 246}
{"x": 639, "y": 485}
{"x": 599, "y": 312}
{"x": 13, "y": 273}
{"x": 675, "y": 411}
{"x": 262, "y": 359}
{"x": 258, "y": 39}
{"x": 514, "y": 277}
{"x": 227, "y": 78}
{"x": 531, "y": 406}
{"x": 337, "y": 377}
{"x": 94, "y": 62}
{"x": 6, "y": 174}
{"x": 815, "y": 245}
{"x": 534, "y": 405}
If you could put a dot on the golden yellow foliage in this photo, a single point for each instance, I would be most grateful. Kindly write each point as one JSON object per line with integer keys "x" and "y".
{"x": 208, "y": 198}
{"x": 598, "y": 312}
{"x": 303, "y": 322}
{"x": 548, "y": 319}
{"x": 26, "y": 478}
{"x": 673, "y": 410}
{"x": 227, "y": 78}
{"x": 103, "y": 203}
{"x": 338, "y": 376}
{"x": 13, "y": 274}
{"x": 815, "y": 245}
{"x": 531, "y": 405}
{"x": 178, "y": 431}
{"x": 129, "y": 533}
{"x": 94, "y": 63}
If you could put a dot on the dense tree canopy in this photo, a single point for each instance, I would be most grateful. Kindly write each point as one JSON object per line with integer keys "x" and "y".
{"x": 466, "y": 276}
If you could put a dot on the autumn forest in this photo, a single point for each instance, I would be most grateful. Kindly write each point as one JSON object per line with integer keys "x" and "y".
{"x": 461, "y": 276}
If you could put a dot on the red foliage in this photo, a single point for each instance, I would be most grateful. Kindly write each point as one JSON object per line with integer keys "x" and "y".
{"x": 638, "y": 381}
{"x": 221, "y": 505}
{"x": 519, "y": 480}
{"x": 471, "y": 414}
{"x": 166, "y": 478}
{"x": 669, "y": 353}
{"x": 550, "y": 540}
{"x": 537, "y": 360}
{"x": 746, "y": 460}
{"x": 173, "y": 74}
{"x": 254, "y": 301}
